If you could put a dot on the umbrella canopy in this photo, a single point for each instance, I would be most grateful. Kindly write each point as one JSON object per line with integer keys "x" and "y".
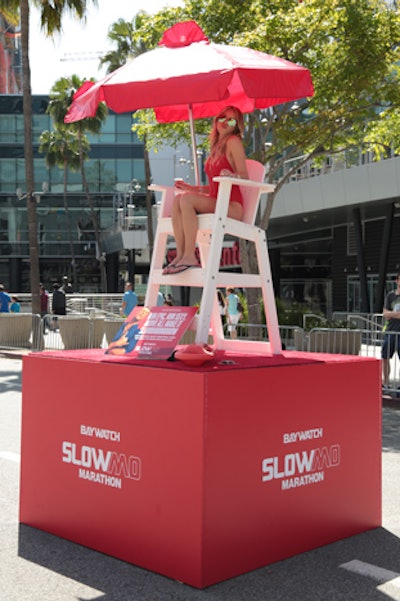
{"x": 187, "y": 70}
{"x": 187, "y": 77}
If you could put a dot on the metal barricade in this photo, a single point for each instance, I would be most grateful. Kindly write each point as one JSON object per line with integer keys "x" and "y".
{"x": 348, "y": 341}
{"x": 253, "y": 331}
{"x": 19, "y": 331}
{"x": 65, "y": 332}
{"x": 80, "y": 331}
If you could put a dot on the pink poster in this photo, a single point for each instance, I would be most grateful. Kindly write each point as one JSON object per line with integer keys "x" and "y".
{"x": 152, "y": 333}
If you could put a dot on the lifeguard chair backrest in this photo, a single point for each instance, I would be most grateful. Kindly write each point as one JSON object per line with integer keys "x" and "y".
{"x": 256, "y": 172}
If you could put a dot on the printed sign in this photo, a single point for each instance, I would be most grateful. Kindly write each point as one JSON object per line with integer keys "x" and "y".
{"x": 151, "y": 334}
{"x": 301, "y": 467}
{"x": 98, "y": 464}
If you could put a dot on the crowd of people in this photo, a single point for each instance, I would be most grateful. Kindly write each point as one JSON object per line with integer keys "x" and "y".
{"x": 11, "y": 304}
{"x": 8, "y": 304}
{"x": 58, "y": 304}
{"x": 231, "y": 311}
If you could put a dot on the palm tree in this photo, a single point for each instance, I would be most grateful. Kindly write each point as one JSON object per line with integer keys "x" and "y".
{"x": 60, "y": 100}
{"x": 61, "y": 149}
{"x": 51, "y": 19}
{"x": 129, "y": 45}
{"x": 122, "y": 33}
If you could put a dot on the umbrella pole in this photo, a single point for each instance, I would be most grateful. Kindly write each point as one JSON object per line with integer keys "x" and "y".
{"x": 194, "y": 147}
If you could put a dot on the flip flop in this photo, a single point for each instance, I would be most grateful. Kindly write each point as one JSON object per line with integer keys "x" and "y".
{"x": 179, "y": 269}
{"x": 166, "y": 269}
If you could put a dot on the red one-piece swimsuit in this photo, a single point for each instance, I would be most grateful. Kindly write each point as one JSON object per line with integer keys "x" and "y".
{"x": 213, "y": 169}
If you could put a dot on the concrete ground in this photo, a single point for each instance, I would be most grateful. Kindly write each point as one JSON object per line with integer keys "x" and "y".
{"x": 36, "y": 566}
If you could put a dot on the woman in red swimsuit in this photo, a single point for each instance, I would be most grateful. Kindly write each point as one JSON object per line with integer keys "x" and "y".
{"x": 226, "y": 157}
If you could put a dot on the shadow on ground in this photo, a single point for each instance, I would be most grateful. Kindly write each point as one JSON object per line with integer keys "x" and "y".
{"x": 391, "y": 429}
{"x": 317, "y": 574}
{"x": 11, "y": 381}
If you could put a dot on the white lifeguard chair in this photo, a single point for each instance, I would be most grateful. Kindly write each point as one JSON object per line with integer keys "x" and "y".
{"x": 213, "y": 227}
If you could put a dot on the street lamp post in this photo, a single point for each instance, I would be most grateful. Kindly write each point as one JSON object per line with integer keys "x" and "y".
{"x": 192, "y": 166}
{"x": 133, "y": 188}
{"x": 129, "y": 207}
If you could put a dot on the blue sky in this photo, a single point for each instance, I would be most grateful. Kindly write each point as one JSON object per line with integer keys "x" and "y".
{"x": 52, "y": 59}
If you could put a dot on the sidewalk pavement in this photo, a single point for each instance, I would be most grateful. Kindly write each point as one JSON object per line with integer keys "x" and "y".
{"x": 36, "y": 566}
{"x": 14, "y": 353}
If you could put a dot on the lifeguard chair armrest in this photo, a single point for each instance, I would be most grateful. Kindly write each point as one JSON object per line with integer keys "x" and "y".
{"x": 167, "y": 196}
{"x": 236, "y": 181}
{"x": 252, "y": 191}
{"x": 160, "y": 187}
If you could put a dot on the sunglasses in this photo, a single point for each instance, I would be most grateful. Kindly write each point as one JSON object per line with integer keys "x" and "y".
{"x": 230, "y": 120}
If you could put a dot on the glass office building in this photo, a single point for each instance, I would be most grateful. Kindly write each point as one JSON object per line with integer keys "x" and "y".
{"x": 114, "y": 170}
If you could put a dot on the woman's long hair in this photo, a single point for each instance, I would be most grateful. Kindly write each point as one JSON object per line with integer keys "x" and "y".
{"x": 217, "y": 146}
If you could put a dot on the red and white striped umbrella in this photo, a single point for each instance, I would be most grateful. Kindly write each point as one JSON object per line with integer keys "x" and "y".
{"x": 187, "y": 77}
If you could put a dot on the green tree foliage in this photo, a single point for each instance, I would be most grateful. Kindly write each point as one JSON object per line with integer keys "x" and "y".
{"x": 351, "y": 48}
{"x": 383, "y": 136}
{"x": 128, "y": 44}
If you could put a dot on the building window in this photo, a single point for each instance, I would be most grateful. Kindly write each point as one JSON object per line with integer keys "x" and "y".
{"x": 351, "y": 239}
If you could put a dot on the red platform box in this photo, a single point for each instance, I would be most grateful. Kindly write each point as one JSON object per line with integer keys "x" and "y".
{"x": 205, "y": 473}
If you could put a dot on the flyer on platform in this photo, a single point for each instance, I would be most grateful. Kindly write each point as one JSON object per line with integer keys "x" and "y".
{"x": 151, "y": 333}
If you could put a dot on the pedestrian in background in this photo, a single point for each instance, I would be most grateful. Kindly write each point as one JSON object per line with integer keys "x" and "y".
{"x": 222, "y": 307}
{"x": 66, "y": 286}
{"x": 15, "y": 307}
{"x": 44, "y": 306}
{"x": 5, "y": 300}
{"x": 168, "y": 301}
{"x": 232, "y": 311}
{"x": 391, "y": 341}
{"x": 44, "y": 301}
{"x": 129, "y": 300}
{"x": 58, "y": 304}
